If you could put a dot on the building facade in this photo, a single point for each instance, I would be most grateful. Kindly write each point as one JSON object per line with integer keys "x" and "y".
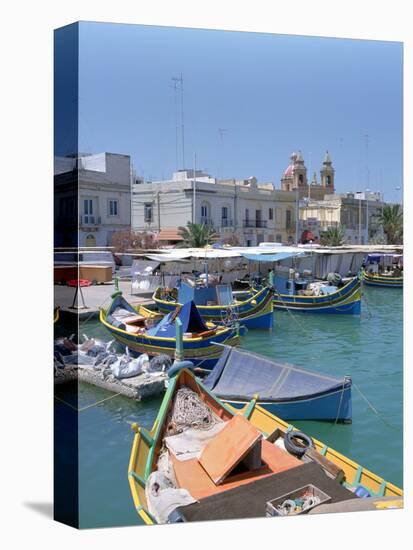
{"x": 356, "y": 212}
{"x": 253, "y": 212}
{"x": 98, "y": 188}
{"x": 295, "y": 179}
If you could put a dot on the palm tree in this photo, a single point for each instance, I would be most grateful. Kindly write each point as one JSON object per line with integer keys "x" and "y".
{"x": 391, "y": 221}
{"x": 334, "y": 236}
{"x": 195, "y": 235}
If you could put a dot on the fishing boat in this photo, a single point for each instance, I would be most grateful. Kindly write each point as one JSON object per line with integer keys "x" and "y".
{"x": 384, "y": 270}
{"x": 281, "y": 389}
{"x": 145, "y": 331}
{"x": 305, "y": 295}
{"x": 204, "y": 460}
{"x": 217, "y": 304}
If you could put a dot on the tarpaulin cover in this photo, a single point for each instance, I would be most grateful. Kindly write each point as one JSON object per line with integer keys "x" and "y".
{"x": 189, "y": 317}
{"x": 220, "y": 294}
{"x": 239, "y": 375}
{"x": 271, "y": 257}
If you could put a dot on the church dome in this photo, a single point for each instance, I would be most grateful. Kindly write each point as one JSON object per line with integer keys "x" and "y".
{"x": 289, "y": 171}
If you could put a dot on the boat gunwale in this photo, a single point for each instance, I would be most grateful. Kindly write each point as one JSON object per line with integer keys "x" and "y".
{"x": 221, "y": 306}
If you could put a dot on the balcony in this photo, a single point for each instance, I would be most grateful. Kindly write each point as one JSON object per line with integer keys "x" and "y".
{"x": 207, "y": 222}
{"x": 90, "y": 220}
{"x": 227, "y": 222}
{"x": 255, "y": 223}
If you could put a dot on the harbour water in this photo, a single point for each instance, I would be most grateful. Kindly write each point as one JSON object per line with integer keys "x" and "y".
{"x": 369, "y": 348}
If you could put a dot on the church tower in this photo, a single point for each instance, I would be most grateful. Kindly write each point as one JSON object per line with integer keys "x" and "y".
{"x": 327, "y": 174}
{"x": 300, "y": 172}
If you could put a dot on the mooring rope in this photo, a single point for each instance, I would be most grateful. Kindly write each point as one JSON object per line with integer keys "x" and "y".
{"x": 81, "y": 409}
{"x": 371, "y": 406}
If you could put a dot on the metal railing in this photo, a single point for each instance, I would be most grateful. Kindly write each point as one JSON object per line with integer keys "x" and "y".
{"x": 86, "y": 219}
{"x": 255, "y": 223}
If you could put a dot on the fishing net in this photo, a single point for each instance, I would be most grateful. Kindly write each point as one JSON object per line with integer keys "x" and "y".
{"x": 189, "y": 411}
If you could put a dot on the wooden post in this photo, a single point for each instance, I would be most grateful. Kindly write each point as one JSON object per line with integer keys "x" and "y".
{"x": 179, "y": 347}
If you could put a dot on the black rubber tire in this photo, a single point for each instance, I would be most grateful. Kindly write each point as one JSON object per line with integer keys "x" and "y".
{"x": 293, "y": 448}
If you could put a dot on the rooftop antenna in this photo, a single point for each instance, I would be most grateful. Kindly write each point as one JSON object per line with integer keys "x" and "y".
{"x": 221, "y": 132}
{"x": 175, "y": 87}
{"x": 180, "y": 79}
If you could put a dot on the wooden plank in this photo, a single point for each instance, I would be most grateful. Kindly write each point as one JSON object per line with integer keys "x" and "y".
{"x": 228, "y": 448}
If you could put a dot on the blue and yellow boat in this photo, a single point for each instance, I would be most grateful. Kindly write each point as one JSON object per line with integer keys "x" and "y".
{"x": 389, "y": 281}
{"x": 216, "y": 462}
{"x": 217, "y": 304}
{"x": 290, "y": 295}
{"x": 144, "y": 331}
{"x": 383, "y": 269}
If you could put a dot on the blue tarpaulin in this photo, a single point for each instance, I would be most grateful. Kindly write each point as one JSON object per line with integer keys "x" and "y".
{"x": 240, "y": 374}
{"x": 189, "y": 317}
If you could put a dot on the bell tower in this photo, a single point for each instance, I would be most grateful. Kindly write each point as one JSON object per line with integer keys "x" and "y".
{"x": 327, "y": 174}
{"x": 300, "y": 172}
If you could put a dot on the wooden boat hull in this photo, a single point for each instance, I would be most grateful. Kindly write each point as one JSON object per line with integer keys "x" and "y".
{"x": 203, "y": 352}
{"x": 325, "y": 407}
{"x": 256, "y": 312}
{"x": 147, "y": 445}
{"x": 378, "y": 280}
{"x": 346, "y": 300}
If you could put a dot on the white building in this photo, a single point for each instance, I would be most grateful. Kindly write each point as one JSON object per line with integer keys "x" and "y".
{"x": 251, "y": 211}
{"x": 95, "y": 189}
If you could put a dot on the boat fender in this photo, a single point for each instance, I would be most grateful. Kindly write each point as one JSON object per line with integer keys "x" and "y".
{"x": 179, "y": 365}
{"x": 298, "y": 450}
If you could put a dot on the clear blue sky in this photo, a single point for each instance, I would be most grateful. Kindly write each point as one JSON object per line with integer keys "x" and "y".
{"x": 272, "y": 93}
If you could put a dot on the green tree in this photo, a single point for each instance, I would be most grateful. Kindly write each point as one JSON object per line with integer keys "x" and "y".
{"x": 195, "y": 235}
{"x": 391, "y": 221}
{"x": 334, "y": 236}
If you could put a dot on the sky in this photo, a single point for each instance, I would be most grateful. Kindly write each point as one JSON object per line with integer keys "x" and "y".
{"x": 272, "y": 94}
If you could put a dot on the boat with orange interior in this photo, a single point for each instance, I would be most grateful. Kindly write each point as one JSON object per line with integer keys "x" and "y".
{"x": 204, "y": 460}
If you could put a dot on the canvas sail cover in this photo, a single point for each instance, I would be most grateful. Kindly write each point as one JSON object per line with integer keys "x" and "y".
{"x": 189, "y": 317}
{"x": 240, "y": 374}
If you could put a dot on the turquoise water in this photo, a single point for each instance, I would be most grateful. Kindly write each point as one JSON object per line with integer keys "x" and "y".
{"x": 368, "y": 348}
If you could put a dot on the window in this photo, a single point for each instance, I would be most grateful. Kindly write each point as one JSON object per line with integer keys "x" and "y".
{"x": 328, "y": 180}
{"x": 278, "y": 238}
{"x": 88, "y": 207}
{"x": 148, "y": 215}
{"x": 288, "y": 218}
{"x": 88, "y": 211}
{"x": 270, "y": 213}
{"x": 224, "y": 212}
{"x": 205, "y": 213}
{"x": 247, "y": 214}
{"x": 113, "y": 207}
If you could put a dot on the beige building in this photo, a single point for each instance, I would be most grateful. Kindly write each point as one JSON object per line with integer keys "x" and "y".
{"x": 253, "y": 212}
{"x": 356, "y": 212}
{"x": 95, "y": 190}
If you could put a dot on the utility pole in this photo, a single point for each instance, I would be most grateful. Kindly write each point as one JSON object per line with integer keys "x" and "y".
{"x": 159, "y": 210}
{"x": 194, "y": 192}
{"x": 297, "y": 214}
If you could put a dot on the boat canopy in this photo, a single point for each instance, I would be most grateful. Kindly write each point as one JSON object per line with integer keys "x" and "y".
{"x": 219, "y": 294}
{"x": 239, "y": 374}
{"x": 189, "y": 317}
{"x": 272, "y": 257}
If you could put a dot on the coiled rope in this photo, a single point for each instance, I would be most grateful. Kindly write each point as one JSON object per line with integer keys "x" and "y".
{"x": 189, "y": 411}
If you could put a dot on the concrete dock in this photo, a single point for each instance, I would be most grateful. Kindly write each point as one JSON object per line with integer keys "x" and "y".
{"x": 94, "y": 297}
{"x": 137, "y": 388}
